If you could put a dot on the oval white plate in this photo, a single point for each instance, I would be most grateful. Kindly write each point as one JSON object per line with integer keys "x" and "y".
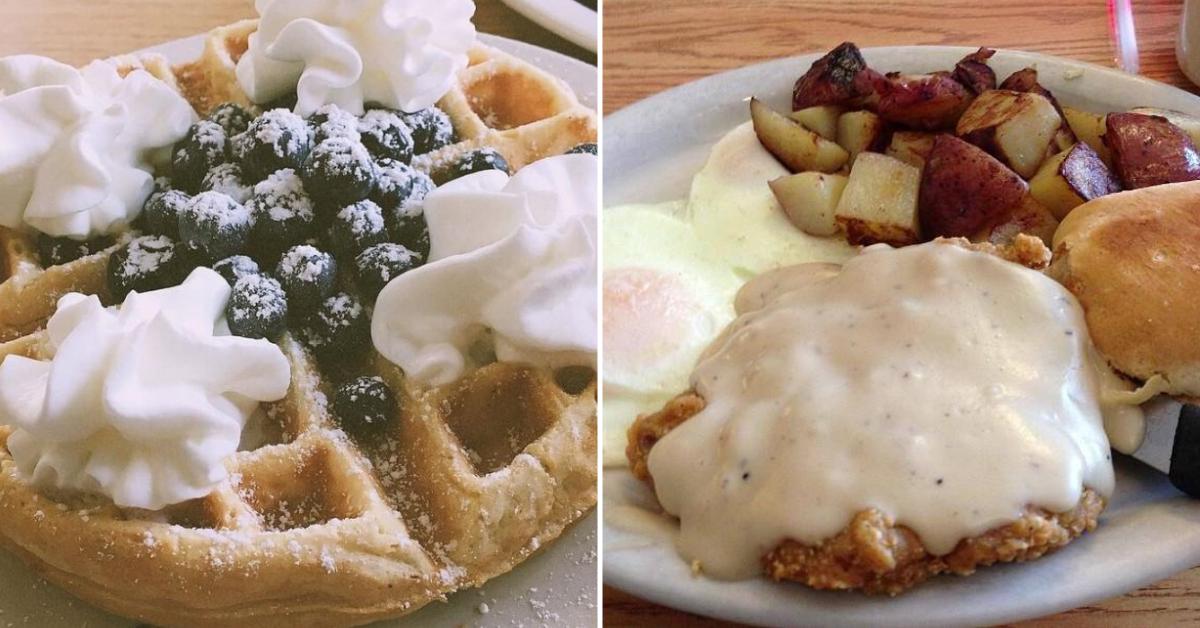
{"x": 1148, "y": 532}
{"x": 565, "y": 18}
{"x": 555, "y": 587}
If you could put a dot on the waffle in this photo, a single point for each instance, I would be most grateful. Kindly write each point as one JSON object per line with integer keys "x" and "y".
{"x": 499, "y": 101}
{"x": 315, "y": 525}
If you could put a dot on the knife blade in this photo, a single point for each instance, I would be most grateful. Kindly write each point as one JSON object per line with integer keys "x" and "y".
{"x": 1172, "y": 442}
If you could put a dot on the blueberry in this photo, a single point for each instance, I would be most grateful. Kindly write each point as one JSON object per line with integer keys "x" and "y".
{"x": 232, "y": 117}
{"x": 307, "y": 275}
{"x": 227, "y": 179}
{"x": 364, "y": 405}
{"x": 378, "y": 265}
{"x": 338, "y": 329}
{"x": 190, "y": 257}
{"x": 216, "y": 224}
{"x": 478, "y": 160}
{"x": 339, "y": 172}
{"x": 283, "y": 214}
{"x": 589, "y": 148}
{"x": 235, "y": 267}
{"x": 257, "y": 308}
{"x": 385, "y": 135}
{"x": 399, "y": 184}
{"x": 356, "y": 228}
{"x": 203, "y": 148}
{"x": 146, "y": 263}
{"x": 331, "y": 121}
{"x": 408, "y": 227}
{"x": 275, "y": 140}
{"x": 54, "y": 251}
{"x": 162, "y": 212}
{"x": 400, "y": 191}
{"x": 431, "y": 130}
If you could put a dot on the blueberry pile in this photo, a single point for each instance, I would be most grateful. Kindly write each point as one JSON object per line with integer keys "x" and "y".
{"x": 307, "y": 219}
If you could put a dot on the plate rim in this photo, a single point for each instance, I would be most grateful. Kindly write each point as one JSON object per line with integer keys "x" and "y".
{"x": 697, "y": 92}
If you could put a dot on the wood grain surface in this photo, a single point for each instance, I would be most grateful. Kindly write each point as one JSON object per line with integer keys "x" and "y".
{"x": 652, "y": 45}
{"x": 77, "y": 31}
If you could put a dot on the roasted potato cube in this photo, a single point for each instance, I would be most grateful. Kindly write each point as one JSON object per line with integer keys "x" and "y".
{"x": 809, "y": 200}
{"x": 841, "y": 77}
{"x": 879, "y": 202}
{"x": 1186, "y": 123}
{"x": 963, "y": 188}
{"x": 823, "y": 120}
{"x": 1149, "y": 150}
{"x": 1016, "y": 127}
{"x": 974, "y": 72}
{"x": 1028, "y": 217}
{"x": 859, "y": 131}
{"x": 1089, "y": 128}
{"x": 911, "y": 147}
{"x": 923, "y": 101}
{"x": 1070, "y": 178}
{"x": 1026, "y": 80}
{"x": 795, "y": 146}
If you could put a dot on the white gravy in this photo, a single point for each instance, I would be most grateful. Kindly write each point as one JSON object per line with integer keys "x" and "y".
{"x": 944, "y": 387}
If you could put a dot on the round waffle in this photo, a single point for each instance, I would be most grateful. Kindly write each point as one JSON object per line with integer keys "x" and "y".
{"x": 314, "y": 525}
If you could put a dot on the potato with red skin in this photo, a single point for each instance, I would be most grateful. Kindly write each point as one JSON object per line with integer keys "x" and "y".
{"x": 974, "y": 72}
{"x": 1149, "y": 150}
{"x": 1071, "y": 178}
{"x": 963, "y": 188}
{"x": 929, "y": 102}
{"x": 841, "y": 77}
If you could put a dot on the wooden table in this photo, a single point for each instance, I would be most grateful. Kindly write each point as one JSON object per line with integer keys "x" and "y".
{"x": 77, "y": 31}
{"x": 651, "y": 45}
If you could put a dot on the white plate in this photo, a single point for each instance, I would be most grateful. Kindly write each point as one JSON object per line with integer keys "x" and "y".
{"x": 1148, "y": 532}
{"x": 555, "y": 587}
{"x": 565, "y": 18}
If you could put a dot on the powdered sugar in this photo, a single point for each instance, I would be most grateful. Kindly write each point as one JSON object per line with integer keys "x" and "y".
{"x": 147, "y": 254}
{"x": 284, "y": 131}
{"x": 342, "y": 156}
{"x": 305, "y": 263}
{"x": 257, "y": 296}
{"x": 361, "y": 219}
{"x": 281, "y": 195}
{"x": 333, "y": 121}
{"x": 227, "y": 179}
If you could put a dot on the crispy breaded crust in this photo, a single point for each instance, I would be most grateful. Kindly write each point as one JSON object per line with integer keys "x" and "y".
{"x": 872, "y": 553}
{"x": 1133, "y": 261}
{"x": 1024, "y": 249}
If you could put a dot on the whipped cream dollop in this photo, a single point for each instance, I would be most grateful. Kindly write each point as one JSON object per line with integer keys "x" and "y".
{"x": 141, "y": 403}
{"x": 74, "y": 159}
{"x": 402, "y": 54}
{"x": 515, "y": 257}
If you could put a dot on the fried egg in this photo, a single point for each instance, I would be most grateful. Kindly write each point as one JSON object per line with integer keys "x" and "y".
{"x": 671, "y": 272}
{"x": 664, "y": 299}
